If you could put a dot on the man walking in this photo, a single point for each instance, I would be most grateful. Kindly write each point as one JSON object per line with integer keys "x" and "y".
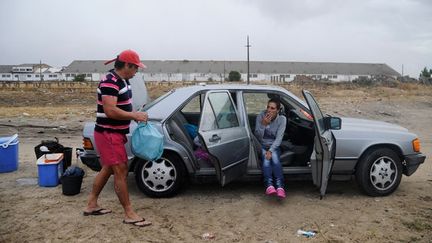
{"x": 114, "y": 113}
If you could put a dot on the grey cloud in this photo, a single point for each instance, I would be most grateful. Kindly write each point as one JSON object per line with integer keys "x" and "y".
{"x": 59, "y": 31}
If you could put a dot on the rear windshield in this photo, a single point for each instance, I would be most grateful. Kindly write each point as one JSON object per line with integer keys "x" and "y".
{"x": 152, "y": 103}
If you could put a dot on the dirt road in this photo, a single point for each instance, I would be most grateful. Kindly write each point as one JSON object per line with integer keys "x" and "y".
{"x": 238, "y": 212}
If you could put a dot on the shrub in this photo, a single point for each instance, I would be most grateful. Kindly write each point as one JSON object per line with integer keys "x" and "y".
{"x": 79, "y": 77}
{"x": 234, "y": 76}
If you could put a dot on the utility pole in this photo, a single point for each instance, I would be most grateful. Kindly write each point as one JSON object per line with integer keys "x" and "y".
{"x": 40, "y": 70}
{"x": 40, "y": 73}
{"x": 402, "y": 70}
{"x": 248, "y": 59}
{"x": 224, "y": 71}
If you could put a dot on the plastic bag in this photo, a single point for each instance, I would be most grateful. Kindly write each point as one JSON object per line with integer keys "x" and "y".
{"x": 191, "y": 129}
{"x": 74, "y": 171}
{"x": 147, "y": 142}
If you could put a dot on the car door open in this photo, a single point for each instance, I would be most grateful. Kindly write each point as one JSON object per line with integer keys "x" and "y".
{"x": 224, "y": 137}
{"x": 324, "y": 146}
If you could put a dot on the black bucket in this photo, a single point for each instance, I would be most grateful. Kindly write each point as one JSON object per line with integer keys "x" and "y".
{"x": 53, "y": 146}
{"x": 71, "y": 185}
{"x": 67, "y": 157}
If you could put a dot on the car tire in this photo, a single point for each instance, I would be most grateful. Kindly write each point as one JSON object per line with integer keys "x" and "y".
{"x": 160, "y": 178}
{"x": 379, "y": 172}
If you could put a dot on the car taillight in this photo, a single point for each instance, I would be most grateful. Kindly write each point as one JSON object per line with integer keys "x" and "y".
{"x": 87, "y": 144}
{"x": 416, "y": 145}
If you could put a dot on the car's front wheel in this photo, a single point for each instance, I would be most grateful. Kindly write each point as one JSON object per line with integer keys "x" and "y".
{"x": 379, "y": 172}
{"x": 160, "y": 178}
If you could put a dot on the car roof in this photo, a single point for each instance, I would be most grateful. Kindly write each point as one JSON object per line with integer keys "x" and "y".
{"x": 167, "y": 105}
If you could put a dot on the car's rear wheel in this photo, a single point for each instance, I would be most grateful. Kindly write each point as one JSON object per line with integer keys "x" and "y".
{"x": 160, "y": 178}
{"x": 379, "y": 172}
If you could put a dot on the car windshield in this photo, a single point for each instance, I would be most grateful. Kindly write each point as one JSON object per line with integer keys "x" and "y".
{"x": 152, "y": 103}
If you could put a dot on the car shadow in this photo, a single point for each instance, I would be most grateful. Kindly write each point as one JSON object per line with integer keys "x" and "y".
{"x": 293, "y": 188}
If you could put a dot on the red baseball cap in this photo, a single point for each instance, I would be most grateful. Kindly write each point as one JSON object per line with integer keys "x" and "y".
{"x": 128, "y": 56}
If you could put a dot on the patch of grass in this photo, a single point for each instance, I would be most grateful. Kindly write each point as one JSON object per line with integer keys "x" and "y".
{"x": 410, "y": 240}
{"x": 51, "y": 112}
{"x": 417, "y": 225}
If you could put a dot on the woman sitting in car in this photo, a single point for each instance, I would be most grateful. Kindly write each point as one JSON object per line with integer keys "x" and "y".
{"x": 269, "y": 130}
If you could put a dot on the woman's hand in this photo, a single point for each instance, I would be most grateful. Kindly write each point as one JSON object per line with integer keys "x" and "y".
{"x": 266, "y": 119}
{"x": 268, "y": 155}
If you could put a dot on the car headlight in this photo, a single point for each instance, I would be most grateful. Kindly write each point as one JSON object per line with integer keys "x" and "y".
{"x": 416, "y": 145}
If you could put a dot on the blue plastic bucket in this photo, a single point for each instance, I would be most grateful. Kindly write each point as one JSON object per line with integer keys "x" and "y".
{"x": 9, "y": 153}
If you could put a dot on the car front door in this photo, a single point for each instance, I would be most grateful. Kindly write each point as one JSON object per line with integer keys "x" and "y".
{"x": 225, "y": 138}
{"x": 324, "y": 146}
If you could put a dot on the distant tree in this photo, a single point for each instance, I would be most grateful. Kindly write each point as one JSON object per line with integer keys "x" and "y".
{"x": 425, "y": 73}
{"x": 79, "y": 77}
{"x": 234, "y": 76}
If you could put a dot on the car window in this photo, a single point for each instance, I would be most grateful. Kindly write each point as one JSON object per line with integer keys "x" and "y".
{"x": 255, "y": 102}
{"x": 208, "y": 120}
{"x": 193, "y": 106}
{"x": 318, "y": 114}
{"x": 154, "y": 102}
{"x": 219, "y": 112}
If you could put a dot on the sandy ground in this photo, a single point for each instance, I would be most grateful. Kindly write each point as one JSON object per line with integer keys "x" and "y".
{"x": 238, "y": 212}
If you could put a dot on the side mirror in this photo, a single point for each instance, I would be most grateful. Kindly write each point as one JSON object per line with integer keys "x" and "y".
{"x": 333, "y": 123}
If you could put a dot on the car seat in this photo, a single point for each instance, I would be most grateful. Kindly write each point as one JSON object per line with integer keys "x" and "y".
{"x": 286, "y": 156}
{"x": 178, "y": 132}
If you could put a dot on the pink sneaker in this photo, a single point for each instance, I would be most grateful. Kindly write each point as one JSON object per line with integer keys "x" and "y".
{"x": 281, "y": 192}
{"x": 270, "y": 190}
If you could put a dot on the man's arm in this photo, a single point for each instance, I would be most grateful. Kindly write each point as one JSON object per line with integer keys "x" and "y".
{"x": 111, "y": 110}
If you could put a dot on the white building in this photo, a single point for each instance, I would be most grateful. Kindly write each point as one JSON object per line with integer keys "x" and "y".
{"x": 29, "y": 72}
{"x": 203, "y": 71}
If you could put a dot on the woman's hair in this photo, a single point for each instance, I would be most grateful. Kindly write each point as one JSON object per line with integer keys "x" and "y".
{"x": 276, "y": 101}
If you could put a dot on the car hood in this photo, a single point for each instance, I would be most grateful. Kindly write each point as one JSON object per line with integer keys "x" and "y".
{"x": 368, "y": 125}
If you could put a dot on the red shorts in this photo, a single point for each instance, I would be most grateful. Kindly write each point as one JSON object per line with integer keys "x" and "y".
{"x": 111, "y": 147}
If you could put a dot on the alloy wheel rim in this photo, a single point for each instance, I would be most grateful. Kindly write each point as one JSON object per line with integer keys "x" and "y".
{"x": 383, "y": 173}
{"x": 159, "y": 175}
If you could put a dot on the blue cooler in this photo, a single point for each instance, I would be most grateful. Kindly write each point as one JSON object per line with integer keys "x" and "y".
{"x": 9, "y": 153}
{"x": 50, "y": 169}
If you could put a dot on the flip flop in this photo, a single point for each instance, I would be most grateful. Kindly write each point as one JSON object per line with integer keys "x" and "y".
{"x": 100, "y": 211}
{"x": 139, "y": 223}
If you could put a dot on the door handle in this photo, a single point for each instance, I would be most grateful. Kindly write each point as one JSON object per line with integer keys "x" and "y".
{"x": 214, "y": 138}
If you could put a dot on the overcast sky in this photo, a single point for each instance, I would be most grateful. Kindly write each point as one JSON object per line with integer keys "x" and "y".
{"x": 395, "y": 32}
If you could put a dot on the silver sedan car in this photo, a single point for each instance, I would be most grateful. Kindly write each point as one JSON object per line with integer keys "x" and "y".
{"x": 316, "y": 145}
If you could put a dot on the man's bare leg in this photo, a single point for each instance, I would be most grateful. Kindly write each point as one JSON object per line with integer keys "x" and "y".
{"x": 120, "y": 185}
{"x": 98, "y": 184}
